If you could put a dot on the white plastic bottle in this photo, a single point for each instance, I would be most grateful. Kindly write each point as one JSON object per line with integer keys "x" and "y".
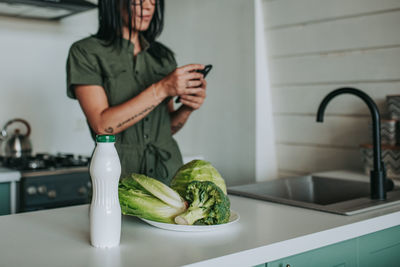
{"x": 105, "y": 211}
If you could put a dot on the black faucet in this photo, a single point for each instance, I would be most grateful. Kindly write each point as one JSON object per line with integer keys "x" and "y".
{"x": 378, "y": 174}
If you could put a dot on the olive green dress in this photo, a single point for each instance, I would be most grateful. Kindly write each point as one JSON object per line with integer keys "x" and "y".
{"x": 147, "y": 147}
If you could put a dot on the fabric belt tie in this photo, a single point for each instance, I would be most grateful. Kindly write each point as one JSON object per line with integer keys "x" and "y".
{"x": 160, "y": 155}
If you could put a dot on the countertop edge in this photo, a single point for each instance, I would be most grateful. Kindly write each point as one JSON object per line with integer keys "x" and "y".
{"x": 7, "y": 175}
{"x": 304, "y": 243}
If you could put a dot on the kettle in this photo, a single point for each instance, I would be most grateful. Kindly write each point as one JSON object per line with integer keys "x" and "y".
{"x": 17, "y": 145}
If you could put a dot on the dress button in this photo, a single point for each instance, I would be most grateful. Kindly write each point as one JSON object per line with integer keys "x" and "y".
{"x": 137, "y": 72}
{"x": 146, "y": 119}
{"x": 151, "y": 171}
{"x": 146, "y": 136}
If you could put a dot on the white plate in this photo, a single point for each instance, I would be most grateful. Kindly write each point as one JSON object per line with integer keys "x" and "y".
{"x": 194, "y": 228}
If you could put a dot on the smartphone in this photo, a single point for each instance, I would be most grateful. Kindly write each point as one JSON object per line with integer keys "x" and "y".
{"x": 204, "y": 71}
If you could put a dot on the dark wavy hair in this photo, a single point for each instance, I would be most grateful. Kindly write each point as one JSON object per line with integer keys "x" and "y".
{"x": 111, "y": 21}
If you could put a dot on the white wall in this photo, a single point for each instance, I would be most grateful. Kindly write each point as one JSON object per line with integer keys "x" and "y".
{"x": 266, "y": 161}
{"x": 316, "y": 46}
{"x": 220, "y": 33}
{"x": 32, "y": 80}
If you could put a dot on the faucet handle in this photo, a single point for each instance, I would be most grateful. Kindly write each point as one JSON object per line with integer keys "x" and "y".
{"x": 389, "y": 186}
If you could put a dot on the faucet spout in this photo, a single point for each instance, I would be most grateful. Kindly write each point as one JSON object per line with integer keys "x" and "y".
{"x": 378, "y": 174}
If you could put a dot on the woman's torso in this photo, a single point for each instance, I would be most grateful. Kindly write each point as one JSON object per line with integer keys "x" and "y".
{"x": 146, "y": 147}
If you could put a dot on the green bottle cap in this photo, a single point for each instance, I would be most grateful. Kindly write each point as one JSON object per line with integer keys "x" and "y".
{"x": 105, "y": 138}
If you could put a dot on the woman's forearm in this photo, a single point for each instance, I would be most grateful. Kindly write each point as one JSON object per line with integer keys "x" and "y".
{"x": 104, "y": 119}
{"x": 179, "y": 118}
{"x": 118, "y": 118}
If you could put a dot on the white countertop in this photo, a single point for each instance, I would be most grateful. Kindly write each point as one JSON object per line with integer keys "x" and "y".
{"x": 7, "y": 175}
{"x": 265, "y": 232}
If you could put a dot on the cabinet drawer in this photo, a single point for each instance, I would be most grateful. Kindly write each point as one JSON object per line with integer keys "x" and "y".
{"x": 339, "y": 255}
{"x": 4, "y": 198}
{"x": 380, "y": 249}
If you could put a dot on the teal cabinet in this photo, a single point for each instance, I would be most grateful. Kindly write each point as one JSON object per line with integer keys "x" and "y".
{"x": 340, "y": 254}
{"x": 381, "y": 248}
{"x": 5, "y": 198}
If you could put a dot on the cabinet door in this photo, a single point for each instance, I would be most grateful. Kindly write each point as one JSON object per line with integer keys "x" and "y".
{"x": 4, "y": 198}
{"x": 380, "y": 249}
{"x": 339, "y": 255}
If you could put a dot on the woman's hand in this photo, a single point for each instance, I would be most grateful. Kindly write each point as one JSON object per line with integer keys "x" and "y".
{"x": 194, "y": 101}
{"x": 189, "y": 104}
{"x": 183, "y": 81}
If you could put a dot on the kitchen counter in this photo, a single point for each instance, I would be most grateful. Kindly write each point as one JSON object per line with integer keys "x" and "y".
{"x": 11, "y": 177}
{"x": 265, "y": 232}
{"x": 7, "y": 175}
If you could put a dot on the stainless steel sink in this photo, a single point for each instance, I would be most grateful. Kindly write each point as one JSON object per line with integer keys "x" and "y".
{"x": 333, "y": 195}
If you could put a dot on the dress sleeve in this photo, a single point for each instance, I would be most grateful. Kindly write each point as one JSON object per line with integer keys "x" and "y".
{"x": 172, "y": 60}
{"x": 165, "y": 55}
{"x": 172, "y": 64}
{"x": 82, "y": 68}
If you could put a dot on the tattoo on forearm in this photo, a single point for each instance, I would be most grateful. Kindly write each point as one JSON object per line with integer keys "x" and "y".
{"x": 177, "y": 127}
{"x": 136, "y": 115}
{"x": 109, "y": 130}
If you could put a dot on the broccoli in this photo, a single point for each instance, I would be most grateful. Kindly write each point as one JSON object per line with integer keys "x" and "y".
{"x": 208, "y": 205}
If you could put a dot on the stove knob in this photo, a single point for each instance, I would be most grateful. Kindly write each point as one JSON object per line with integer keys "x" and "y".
{"x": 42, "y": 189}
{"x": 52, "y": 194}
{"x": 31, "y": 190}
{"x": 82, "y": 190}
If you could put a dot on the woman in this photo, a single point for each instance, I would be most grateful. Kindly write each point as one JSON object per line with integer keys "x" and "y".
{"x": 125, "y": 80}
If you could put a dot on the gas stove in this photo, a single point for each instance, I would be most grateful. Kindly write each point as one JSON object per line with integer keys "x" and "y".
{"x": 51, "y": 181}
{"x": 44, "y": 161}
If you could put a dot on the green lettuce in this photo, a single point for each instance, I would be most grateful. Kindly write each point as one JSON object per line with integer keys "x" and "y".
{"x": 196, "y": 170}
{"x": 150, "y": 199}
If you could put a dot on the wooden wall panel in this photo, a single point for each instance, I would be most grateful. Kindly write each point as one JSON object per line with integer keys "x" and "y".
{"x": 306, "y": 99}
{"x": 310, "y": 159}
{"x": 371, "y": 66}
{"x": 348, "y": 132}
{"x": 316, "y": 46}
{"x": 282, "y": 13}
{"x": 338, "y": 35}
